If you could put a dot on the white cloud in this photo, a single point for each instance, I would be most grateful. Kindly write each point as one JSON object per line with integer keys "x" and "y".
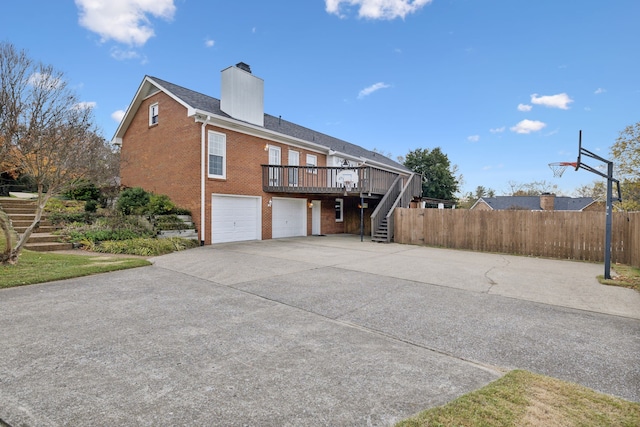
{"x": 528, "y": 126}
{"x": 599, "y": 91}
{"x": 498, "y": 130}
{"x": 377, "y": 9}
{"x": 125, "y": 21}
{"x": 524, "y": 107}
{"x": 473, "y": 138}
{"x": 373, "y": 88}
{"x": 44, "y": 81}
{"x": 209, "y": 42}
{"x": 86, "y": 105}
{"x": 122, "y": 55}
{"x": 560, "y": 100}
{"x": 118, "y": 115}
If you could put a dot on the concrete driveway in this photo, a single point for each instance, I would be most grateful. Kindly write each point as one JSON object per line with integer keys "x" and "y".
{"x": 305, "y": 332}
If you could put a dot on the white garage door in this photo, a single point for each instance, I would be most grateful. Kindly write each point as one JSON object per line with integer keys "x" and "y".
{"x": 289, "y": 217}
{"x": 235, "y": 218}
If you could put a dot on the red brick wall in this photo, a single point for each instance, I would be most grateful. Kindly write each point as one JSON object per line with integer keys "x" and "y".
{"x": 165, "y": 159}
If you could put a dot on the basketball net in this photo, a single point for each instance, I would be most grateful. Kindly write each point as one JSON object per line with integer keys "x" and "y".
{"x": 558, "y": 168}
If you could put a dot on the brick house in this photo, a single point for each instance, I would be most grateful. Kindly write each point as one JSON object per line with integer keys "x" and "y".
{"x": 544, "y": 202}
{"x": 247, "y": 175}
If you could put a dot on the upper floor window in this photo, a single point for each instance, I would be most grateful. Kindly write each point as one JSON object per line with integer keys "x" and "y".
{"x": 153, "y": 114}
{"x": 217, "y": 155}
{"x": 312, "y": 160}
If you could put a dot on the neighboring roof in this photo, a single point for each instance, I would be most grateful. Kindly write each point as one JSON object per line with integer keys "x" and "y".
{"x": 199, "y": 102}
{"x": 532, "y": 203}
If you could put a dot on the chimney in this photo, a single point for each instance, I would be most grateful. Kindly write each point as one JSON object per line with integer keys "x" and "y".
{"x": 547, "y": 201}
{"x": 242, "y": 94}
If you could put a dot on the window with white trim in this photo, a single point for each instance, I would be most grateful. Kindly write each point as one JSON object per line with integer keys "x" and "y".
{"x": 153, "y": 114}
{"x": 339, "y": 210}
{"x": 217, "y": 155}
{"x": 312, "y": 161}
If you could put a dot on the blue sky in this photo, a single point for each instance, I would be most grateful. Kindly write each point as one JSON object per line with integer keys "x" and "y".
{"x": 502, "y": 86}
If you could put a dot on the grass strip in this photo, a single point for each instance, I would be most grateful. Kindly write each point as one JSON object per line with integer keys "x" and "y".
{"x": 39, "y": 267}
{"x": 522, "y": 398}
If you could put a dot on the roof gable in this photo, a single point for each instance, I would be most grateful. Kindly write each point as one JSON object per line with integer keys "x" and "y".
{"x": 198, "y": 102}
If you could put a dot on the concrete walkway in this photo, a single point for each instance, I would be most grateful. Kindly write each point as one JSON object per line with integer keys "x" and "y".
{"x": 308, "y": 331}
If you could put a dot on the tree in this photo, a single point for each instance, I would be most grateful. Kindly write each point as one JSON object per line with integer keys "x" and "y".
{"x": 534, "y": 188}
{"x": 438, "y": 176}
{"x": 45, "y": 133}
{"x": 626, "y": 158}
{"x": 596, "y": 190}
{"x": 626, "y": 152}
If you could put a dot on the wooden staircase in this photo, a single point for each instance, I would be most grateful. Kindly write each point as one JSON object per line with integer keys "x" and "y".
{"x": 21, "y": 213}
{"x": 381, "y": 234}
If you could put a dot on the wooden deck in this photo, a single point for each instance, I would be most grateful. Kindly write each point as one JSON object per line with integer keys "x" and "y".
{"x": 326, "y": 180}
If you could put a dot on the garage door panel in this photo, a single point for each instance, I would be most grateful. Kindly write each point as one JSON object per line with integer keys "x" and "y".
{"x": 235, "y": 218}
{"x": 289, "y": 217}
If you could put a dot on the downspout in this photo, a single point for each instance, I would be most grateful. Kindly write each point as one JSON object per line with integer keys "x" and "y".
{"x": 203, "y": 171}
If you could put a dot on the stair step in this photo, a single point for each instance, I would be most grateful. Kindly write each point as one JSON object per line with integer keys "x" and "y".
{"x": 25, "y": 223}
{"x": 41, "y": 229}
{"x": 44, "y": 238}
{"x": 47, "y": 247}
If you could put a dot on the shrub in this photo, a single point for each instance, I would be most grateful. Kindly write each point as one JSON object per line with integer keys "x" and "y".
{"x": 63, "y": 218}
{"x": 133, "y": 201}
{"x": 82, "y": 190}
{"x": 109, "y": 228}
{"x": 90, "y": 206}
{"x": 55, "y": 205}
{"x": 159, "y": 204}
{"x": 145, "y": 247}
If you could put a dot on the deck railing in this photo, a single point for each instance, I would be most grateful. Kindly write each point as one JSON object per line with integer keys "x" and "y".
{"x": 326, "y": 179}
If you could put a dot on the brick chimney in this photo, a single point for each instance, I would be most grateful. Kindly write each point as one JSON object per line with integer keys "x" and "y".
{"x": 547, "y": 201}
{"x": 242, "y": 94}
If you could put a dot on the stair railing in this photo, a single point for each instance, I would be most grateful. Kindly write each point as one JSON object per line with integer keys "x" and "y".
{"x": 401, "y": 196}
{"x": 385, "y": 204}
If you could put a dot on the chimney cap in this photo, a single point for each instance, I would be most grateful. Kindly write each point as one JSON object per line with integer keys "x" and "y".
{"x": 244, "y": 67}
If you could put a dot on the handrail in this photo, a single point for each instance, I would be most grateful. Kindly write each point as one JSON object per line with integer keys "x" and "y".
{"x": 385, "y": 204}
{"x": 398, "y": 195}
{"x": 326, "y": 179}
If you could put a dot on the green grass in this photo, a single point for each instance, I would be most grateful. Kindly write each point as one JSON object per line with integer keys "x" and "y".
{"x": 625, "y": 276}
{"x": 39, "y": 267}
{"x": 522, "y": 398}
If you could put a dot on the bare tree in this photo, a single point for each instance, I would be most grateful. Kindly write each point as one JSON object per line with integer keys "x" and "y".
{"x": 46, "y": 133}
{"x": 534, "y": 188}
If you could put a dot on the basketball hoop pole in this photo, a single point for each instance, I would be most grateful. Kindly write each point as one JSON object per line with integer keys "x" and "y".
{"x": 609, "y": 212}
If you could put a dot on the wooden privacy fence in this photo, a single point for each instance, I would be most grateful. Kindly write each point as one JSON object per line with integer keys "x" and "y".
{"x": 553, "y": 234}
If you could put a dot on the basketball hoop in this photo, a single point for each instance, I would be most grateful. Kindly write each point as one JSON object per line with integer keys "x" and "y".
{"x": 558, "y": 168}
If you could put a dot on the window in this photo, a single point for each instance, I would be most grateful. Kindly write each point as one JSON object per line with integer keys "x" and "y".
{"x": 312, "y": 160}
{"x": 217, "y": 155}
{"x": 339, "y": 209}
{"x": 275, "y": 171}
{"x": 153, "y": 114}
{"x": 294, "y": 160}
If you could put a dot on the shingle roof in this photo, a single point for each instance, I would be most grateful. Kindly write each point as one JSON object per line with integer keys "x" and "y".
{"x": 209, "y": 104}
{"x": 532, "y": 203}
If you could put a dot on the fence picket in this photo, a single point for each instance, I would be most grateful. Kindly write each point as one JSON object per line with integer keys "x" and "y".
{"x": 553, "y": 234}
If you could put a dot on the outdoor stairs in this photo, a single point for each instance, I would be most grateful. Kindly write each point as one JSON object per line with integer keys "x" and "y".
{"x": 381, "y": 235}
{"x": 21, "y": 213}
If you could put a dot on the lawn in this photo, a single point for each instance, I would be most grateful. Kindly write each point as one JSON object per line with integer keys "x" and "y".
{"x": 39, "y": 267}
{"x": 522, "y": 398}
